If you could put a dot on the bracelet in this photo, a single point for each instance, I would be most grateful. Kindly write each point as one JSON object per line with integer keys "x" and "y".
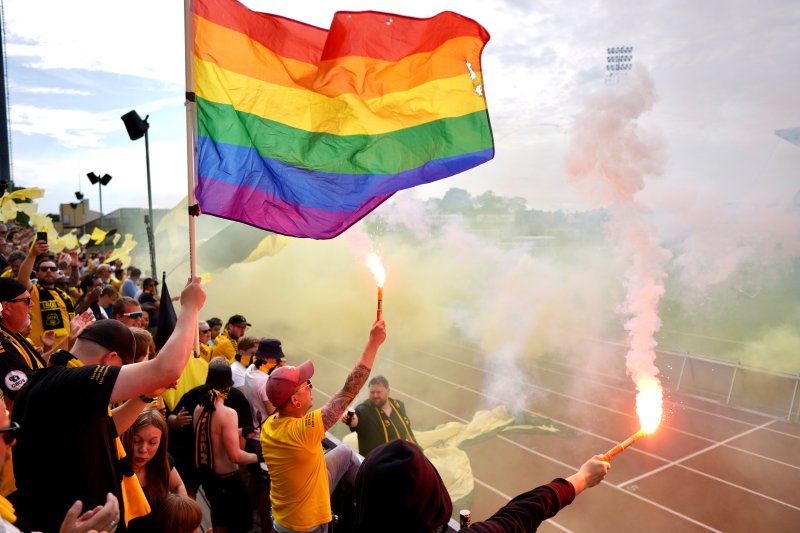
{"x": 146, "y": 399}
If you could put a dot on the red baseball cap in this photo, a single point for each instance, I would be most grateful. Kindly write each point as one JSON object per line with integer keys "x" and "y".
{"x": 284, "y": 380}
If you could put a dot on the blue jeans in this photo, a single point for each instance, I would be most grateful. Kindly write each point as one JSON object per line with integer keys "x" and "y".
{"x": 340, "y": 462}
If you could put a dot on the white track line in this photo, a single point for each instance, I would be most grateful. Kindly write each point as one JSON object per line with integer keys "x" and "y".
{"x": 526, "y": 448}
{"x": 699, "y": 472}
{"x": 628, "y": 415}
{"x": 616, "y": 378}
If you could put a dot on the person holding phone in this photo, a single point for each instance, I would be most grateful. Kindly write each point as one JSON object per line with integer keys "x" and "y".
{"x": 52, "y": 308}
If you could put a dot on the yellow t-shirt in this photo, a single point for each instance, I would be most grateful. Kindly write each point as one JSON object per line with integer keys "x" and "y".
{"x": 225, "y": 346}
{"x": 299, "y": 480}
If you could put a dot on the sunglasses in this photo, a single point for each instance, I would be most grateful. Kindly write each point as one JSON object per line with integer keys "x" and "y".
{"x": 48, "y": 269}
{"x": 135, "y": 314}
{"x": 298, "y": 389}
{"x": 9, "y": 434}
{"x": 26, "y": 300}
{"x": 204, "y": 330}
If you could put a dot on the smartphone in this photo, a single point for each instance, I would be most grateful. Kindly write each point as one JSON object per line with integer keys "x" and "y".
{"x": 41, "y": 236}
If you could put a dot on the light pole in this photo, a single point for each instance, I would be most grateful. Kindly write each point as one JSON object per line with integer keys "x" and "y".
{"x": 101, "y": 181}
{"x": 138, "y": 127}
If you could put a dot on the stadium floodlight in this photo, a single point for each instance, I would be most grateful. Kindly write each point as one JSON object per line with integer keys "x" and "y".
{"x": 101, "y": 182}
{"x": 619, "y": 61}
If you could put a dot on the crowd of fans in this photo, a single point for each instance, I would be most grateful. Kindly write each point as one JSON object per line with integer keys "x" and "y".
{"x": 110, "y": 434}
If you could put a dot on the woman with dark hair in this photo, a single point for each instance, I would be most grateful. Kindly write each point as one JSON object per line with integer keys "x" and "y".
{"x": 146, "y": 448}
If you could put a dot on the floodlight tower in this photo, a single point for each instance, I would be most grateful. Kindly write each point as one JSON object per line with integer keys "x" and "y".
{"x": 619, "y": 60}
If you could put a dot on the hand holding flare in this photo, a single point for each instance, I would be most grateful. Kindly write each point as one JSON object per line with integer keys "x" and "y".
{"x": 376, "y": 267}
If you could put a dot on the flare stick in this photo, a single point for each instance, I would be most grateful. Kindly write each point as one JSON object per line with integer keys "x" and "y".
{"x": 380, "y": 303}
{"x": 624, "y": 444}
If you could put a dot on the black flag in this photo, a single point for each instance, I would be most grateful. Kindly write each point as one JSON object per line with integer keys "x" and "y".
{"x": 166, "y": 315}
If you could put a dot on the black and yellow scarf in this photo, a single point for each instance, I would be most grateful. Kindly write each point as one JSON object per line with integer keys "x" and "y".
{"x": 51, "y": 302}
{"x": 203, "y": 449}
{"x": 396, "y": 408}
{"x": 25, "y": 348}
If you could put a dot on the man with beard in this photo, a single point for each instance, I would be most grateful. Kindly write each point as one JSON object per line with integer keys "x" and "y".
{"x": 379, "y": 419}
{"x": 52, "y": 308}
{"x": 227, "y": 342}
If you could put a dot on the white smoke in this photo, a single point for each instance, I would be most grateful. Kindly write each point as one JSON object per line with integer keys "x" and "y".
{"x": 610, "y": 157}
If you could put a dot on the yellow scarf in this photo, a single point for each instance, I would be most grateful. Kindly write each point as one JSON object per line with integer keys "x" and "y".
{"x": 133, "y": 497}
{"x": 7, "y": 510}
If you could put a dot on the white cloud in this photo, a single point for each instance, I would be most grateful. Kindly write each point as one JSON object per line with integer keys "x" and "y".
{"x": 71, "y": 128}
{"x": 726, "y": 77}
{"x": 50, "y": 90}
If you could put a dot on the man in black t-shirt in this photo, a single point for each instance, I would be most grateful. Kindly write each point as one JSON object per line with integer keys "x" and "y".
{"x": 67, "y": 448}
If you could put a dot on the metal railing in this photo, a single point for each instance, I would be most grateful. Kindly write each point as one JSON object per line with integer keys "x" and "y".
{"x": 745, "y": 387}
{"x": 735, "y": 384}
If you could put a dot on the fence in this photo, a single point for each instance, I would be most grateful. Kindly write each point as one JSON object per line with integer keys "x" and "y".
{"x": 734, "y": 384}
{"x": 742, "y": 386}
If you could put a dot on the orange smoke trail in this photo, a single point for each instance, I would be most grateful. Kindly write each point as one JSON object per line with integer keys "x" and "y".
{"x": 376, "y": 267}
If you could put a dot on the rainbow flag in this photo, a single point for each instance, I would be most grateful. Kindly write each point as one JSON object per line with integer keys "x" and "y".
{"x": 303, "y": 131}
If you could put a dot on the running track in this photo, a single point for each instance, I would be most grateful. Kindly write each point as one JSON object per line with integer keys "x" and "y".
{"x": 707, "y": 468}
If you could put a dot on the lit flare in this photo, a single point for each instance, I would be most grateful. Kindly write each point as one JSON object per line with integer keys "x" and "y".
{"x": 649, "y": 408}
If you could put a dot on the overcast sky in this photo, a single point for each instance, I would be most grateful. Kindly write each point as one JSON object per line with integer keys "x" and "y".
{"x": 726, "y": 74}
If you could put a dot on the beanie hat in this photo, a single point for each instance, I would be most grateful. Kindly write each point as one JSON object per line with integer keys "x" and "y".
{"x": 398, "y": 489}
{"x": 219, "y": 377}
{"x": 112, "y": 335}
{"x": 10, "y": 288}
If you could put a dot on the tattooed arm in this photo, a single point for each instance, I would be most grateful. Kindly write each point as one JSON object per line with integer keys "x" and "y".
{"x": 333, "y": 408}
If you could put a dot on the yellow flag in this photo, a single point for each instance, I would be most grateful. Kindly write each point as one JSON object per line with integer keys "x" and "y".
{"x": 98, "y": 235}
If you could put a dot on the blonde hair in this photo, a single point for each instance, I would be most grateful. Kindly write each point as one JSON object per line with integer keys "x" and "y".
{"x": 143, "y": 340}
{"x": 247, "y": 342}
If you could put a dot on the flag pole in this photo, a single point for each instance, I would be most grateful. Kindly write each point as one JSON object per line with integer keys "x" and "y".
{"x": 191, "y": 134}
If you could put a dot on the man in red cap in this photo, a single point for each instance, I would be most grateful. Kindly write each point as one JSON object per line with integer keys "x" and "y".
{"x": 302, "y": 475}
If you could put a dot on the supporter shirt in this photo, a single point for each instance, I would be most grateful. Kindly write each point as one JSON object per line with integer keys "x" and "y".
{"x": 18, "y": 360}
{"x": 66, "y": 450}
{"x": 225, "y": 345}
{"x": 255, "y": 388}
{"x": 52, "y": 311}
{"x": 292, "y": 449}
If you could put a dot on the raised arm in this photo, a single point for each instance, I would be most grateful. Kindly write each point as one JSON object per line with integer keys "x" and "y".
{"x": 166, "y": 368}
{"x": 335, "y": 406}
{"x": 26, "y": 267}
